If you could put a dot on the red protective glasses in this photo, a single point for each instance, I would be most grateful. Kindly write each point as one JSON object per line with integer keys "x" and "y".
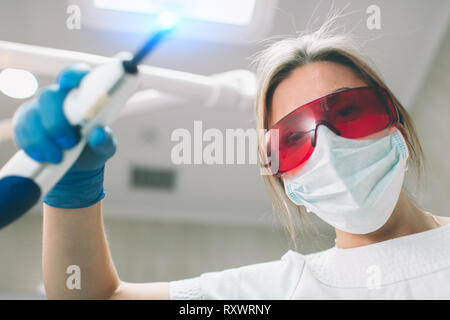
{"x": 351, "y": 113}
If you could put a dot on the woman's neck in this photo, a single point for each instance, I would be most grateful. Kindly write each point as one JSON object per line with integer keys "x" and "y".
{"x": 406, "y": 219}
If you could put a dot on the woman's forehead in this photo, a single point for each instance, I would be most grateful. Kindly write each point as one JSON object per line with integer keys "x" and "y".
{"x": 307, "y": 83}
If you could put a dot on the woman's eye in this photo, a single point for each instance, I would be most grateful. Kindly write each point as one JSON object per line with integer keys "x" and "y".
{"x": 349, "y": 112}
{"x": 294, "y": 137}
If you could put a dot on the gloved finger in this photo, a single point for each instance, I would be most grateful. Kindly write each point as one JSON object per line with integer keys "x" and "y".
{"x": 102, "y": 143}
{"x": 71, "y": 77}
{"x": 101, "y": 146}
{"x": 17, "y": 123}
{"x": 30, "y": 136}
{"x": 50, "y": 107}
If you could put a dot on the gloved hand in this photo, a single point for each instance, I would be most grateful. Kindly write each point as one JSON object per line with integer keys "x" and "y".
{"x": 43, "y": 132}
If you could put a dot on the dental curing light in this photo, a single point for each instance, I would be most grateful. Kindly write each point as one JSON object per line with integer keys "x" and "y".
{"x": 98, "y": 99}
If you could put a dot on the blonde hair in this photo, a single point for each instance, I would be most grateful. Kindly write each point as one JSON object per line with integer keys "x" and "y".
{"x": 280, "y": 59}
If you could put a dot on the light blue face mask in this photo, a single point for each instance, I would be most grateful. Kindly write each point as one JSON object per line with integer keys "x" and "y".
{"x": 351, "y": 184}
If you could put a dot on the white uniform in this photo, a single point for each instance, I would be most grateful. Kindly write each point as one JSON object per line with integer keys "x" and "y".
{"x": 416, "y": 266}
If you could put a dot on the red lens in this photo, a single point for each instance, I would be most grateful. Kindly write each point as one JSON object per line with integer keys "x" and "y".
{"x": 353, "y": 113}
{"x": 360, "y": 112}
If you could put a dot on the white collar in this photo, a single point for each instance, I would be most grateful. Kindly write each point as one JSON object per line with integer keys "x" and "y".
{"x": 396, "y": 260}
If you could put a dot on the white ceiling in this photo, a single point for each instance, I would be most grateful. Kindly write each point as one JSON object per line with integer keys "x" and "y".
{"x": 403, "y": 49}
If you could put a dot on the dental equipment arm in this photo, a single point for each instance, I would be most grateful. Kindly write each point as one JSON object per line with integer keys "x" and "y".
{"x": 237, "y": 87}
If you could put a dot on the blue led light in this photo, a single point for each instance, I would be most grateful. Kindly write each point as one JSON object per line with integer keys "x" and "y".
{"x": 166, "y": 21}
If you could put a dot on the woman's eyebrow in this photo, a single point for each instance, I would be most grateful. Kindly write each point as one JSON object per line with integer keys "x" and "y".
{"x": 341, "y": 89}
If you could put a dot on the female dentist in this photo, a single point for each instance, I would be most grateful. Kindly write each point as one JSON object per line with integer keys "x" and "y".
{"x": 345, "y": 143}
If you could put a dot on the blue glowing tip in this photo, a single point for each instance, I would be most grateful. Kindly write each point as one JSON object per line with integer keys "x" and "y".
{"x": 166, "y": 21}
{"x": 165, "y": 24}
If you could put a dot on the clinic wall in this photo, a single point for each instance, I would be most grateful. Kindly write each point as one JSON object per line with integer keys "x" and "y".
{"x": 431, "y": 115}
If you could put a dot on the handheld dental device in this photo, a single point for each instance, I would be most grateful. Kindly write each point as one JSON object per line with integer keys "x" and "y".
{"x": 97, "y": 100}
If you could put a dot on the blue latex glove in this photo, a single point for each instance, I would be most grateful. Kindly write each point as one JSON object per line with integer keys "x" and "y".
{"x": 43, "y": 132}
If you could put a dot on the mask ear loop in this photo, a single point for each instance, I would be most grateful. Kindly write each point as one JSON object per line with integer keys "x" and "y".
{"x": 399, "y": 124}
{"x": 401, "y": 127}
{"x": 403, "y": 134}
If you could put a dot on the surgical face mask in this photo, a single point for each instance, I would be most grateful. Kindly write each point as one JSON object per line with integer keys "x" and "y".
{"x": 351, "y": 184}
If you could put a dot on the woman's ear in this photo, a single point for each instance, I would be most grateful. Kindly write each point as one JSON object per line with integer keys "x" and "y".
{"x": 405, "y": 135}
